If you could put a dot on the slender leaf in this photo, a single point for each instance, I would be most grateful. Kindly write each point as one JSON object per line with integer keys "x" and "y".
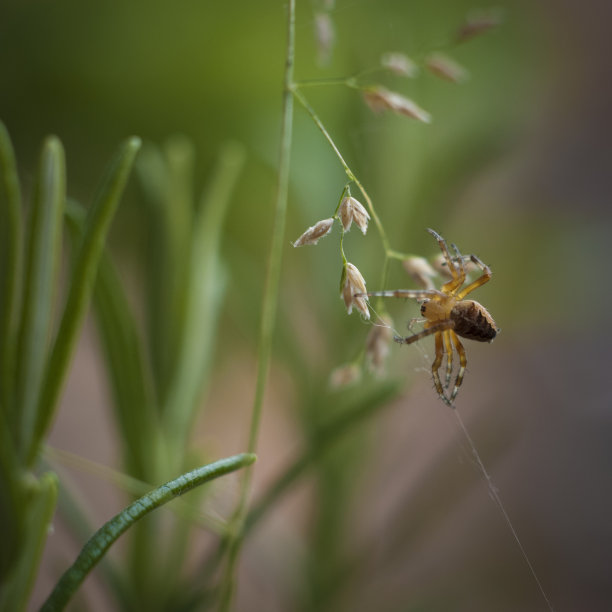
{"x": 96, "y": 547}
{"x": 10, "y": 266}
{"x": 203, "y": 299}
{"x": 41, "y": 505}
{"x": 168, "y": 184}
{"x": 42, "y": 268}
{"x": 81, "y": 286}
{"x": 126, "y": 365}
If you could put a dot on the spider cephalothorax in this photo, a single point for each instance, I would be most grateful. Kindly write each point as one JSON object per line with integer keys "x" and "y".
{"x": 447, "y": 315}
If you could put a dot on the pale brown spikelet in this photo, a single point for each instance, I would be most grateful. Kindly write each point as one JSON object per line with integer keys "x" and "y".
{"x": 476, "y": 25}
{"x": 420, "y": 270}
{"x": 344, "y": 375}
{"x": 446, "y": 68}
{"x": 352, "y": 210}
{"x": 399, "y": 64}
{"x": 325, "y": 36}
{"x": 352, "y": 283}
{"x": 378, "y": 345}
{"x": 380, "y": 99}
{"x": 313, "y": 234}
{"x": 439, "y": 264}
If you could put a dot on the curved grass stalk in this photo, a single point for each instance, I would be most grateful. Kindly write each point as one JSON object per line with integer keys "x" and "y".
{"x": 270, "y": 303}
{"x": 101, "y": 541}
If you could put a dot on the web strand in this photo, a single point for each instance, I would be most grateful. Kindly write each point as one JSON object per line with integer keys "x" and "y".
{"x": 500, "y": 505}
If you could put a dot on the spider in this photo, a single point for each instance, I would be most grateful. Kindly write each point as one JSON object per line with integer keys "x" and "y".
{"x": 447, "y": 315}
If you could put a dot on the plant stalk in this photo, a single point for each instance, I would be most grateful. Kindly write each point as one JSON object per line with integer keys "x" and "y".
{"x": 268, "y": 317}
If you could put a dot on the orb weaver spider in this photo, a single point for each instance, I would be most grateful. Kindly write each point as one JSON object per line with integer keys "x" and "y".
{"x": 447, "y": 315}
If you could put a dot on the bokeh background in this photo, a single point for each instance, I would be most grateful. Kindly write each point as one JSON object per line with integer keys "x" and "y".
{"x": 515, "y": 167}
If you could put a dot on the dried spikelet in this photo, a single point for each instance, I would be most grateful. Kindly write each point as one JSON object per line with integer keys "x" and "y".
{"x": 353, "y": 210}
{"x": 325, "y": 36}
{"x": 313, "y": 234}
{"x": 399, "y": 64}
{"x": 476, "y": 25}
{"x": 420, "y": 271}
{"x": 344, "y": 375}
{"x": 352, "y": 283}
{"x": 378, "y": 345}
{"x": 380, "y": 99}
{"x": 439, "y": 264}
{"x": 446, "y": 68}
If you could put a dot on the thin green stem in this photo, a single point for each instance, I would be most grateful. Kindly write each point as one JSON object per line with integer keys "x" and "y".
{"x": 324, "y": 82}
{"x": 270, "y": 303}
{"x": 379, "y": 226}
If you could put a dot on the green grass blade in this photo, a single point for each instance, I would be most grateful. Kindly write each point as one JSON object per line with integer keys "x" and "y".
{"x": 205, "y": 286}
{"x": 41, "y": 506}
{"x": 42, "y": 269}
{"x": 81, "y": 286}
{"x": 125, "y": 362}
{"x": 96, "y": 547}
{"x": 167, "y": 180}
{"x": 10, "y": 266}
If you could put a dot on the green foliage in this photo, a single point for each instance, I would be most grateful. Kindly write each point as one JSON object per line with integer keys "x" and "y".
{"x": 200, "y": 280}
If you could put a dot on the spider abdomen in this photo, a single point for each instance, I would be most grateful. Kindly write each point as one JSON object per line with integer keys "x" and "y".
{"x": 472, "y": 321}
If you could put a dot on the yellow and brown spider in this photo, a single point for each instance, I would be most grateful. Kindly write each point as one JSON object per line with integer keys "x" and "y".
{"x": 447, "y": 315}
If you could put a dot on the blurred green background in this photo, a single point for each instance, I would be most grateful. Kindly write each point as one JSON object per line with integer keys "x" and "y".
{"x": 515, "y": 167}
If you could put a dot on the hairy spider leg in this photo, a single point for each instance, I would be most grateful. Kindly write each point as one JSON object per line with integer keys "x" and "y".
{"x": 416, "y": 294}
{"x": 458, "y": 275}
{"x": 460, "y": 260}
{"x": 481, "y": 280}
{"x": 435, "y": 367}
{"x": 462, "y": 364}
{"x": 448, "y": 349}
{"x": 433, "y": 329}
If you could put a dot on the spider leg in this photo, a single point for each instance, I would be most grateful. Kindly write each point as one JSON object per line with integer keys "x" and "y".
{"x": 435, "y": 367}
{"x": 458, "y": 277}
{"x": 448, "y": 349}
{"x": 481, "y": 280}
{"x": 433, "y": 329}
{"x": 416, "y": 294}
{"x": 462, "y": 364}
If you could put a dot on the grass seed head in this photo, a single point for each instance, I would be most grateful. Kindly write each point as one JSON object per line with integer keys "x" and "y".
{"x": 420, "y": 270}
{"x": 353, "y": 210}
{"x": 313, "y": 234}
{"x": 378, "y": 345}
{"x": 380, "y": 99}
{"x": 446, "y": 68}
{"x": 476, "y": 25}
{"x": 353, "y": 282}
{"x": 399, "y": 64}
{"x": 344, "y": 375}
